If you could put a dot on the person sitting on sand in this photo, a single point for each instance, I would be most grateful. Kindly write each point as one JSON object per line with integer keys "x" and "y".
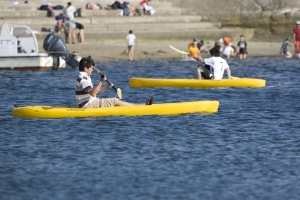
{"x": 86, "y": 92}
{"x": 214, "y": 66}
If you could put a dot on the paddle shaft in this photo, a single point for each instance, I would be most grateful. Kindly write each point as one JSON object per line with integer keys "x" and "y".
{"x": 106, "y": 80}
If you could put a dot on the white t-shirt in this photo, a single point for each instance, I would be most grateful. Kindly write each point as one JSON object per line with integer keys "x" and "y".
{"x": 130, "y": 39}
{"x": 218, "y": 66}
{"x": 227, "y": 51}
{"x": 83, "y": 84}
{"x": 70, "y": 12}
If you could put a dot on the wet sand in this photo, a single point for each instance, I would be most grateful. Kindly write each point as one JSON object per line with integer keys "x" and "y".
{"x": 160, "y": 50}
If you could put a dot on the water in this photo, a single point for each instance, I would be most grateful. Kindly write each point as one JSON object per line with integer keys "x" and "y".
{"x": 250, "y": 149}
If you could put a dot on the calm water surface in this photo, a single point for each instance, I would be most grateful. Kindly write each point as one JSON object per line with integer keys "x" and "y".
{"x": 250, "y": 149}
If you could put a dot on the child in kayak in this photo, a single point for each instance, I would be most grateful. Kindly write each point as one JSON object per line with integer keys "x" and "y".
{"x": 214, "y": 66}
{"x": 86, "y": 92}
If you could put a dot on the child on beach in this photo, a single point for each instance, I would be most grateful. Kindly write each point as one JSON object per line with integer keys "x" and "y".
{"x": 284, "y": 48}
{"x": 242, "y": 48}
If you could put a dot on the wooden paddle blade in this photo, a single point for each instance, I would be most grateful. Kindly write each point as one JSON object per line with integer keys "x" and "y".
{"x": 182, "y": 52}
{"x": 119, "y": 93}
{"x": 97, "y": 70}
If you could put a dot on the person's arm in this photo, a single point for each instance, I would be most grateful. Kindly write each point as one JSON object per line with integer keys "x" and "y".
{"x": 294, "y": 38}
{"x": 246, "y": 47}
{"x": 136, "y": 42}
{"x": 94, "y": 91}
{"x": 105, "y": 88}
{"x": 200, "y": 59}
{"x": 228, "y": 73}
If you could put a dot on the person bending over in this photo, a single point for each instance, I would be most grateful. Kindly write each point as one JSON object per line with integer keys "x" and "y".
{"x": 214, "y": 66}
{"x": 86, "y": 92}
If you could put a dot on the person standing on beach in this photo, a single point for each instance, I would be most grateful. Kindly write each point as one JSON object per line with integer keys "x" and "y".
{"x": 242, "y": 48}
{"x": 296, "y": 38}
{"x": 69, "y": 11}
{"x": 131, "y": 41}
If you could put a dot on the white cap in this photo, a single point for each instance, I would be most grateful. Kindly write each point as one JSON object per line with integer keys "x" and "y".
{"x": 220, "y": 41}
{"x": 298, "y": 22}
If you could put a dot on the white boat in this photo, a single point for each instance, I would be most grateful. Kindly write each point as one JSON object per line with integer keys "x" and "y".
{"x": 19, "y": 51}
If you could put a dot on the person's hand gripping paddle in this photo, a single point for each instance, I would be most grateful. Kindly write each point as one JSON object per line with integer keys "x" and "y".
{"x": 118, "y": 90}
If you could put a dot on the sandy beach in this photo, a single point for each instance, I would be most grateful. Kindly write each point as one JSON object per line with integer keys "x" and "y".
{"x": 159, "y": 50}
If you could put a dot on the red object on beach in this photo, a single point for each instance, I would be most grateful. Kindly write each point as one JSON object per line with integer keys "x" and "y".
{"x": 144, "y": 2}
{"x": 227, "y": 40}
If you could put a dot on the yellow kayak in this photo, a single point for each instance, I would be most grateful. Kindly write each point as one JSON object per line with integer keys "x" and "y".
{"x": 136, "y": 110}
{"x": 136, "y": 82}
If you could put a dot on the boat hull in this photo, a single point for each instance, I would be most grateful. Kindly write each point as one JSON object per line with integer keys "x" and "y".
{"x": 136, "y": 82}
{"x": 32, "y": 62}
{"x": 136, "y": 110}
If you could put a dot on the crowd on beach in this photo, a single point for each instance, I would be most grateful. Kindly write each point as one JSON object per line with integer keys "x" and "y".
{"x": 227, "y": 49}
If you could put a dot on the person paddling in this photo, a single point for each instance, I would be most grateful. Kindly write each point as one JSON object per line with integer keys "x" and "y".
{"x": 86, "y": 92}
{"x": 214, "y": 66}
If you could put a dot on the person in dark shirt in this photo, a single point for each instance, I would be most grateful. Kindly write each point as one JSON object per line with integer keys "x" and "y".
{"x": 284, "y": 48}
{"x": 242, "y": 47}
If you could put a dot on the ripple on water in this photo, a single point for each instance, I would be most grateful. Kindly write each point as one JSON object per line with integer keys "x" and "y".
{"x": 248, "y": 150}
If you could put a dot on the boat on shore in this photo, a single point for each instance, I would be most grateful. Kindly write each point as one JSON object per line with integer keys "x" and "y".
{"x": 205, "y": 107}
{"x": 19, "y": 50}
{"x": 136, "y": 82}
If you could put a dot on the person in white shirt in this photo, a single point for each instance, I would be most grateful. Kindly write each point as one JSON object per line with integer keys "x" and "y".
{"x": 214, "y": 66}
{"x": 86, "y": 92}
{"x": 130, "y": 41}
{"x": 70, "y": 28}
{"x": 69, "y": 11}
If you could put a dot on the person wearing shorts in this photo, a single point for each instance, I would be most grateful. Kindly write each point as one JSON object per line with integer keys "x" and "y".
{"x": 296, "y": 38}
{"x": 131, "y": 41}
{"x": 70, "y": 27}
{"x": 86, "y": 92}
{"x": 242, "y": 48}
{"x": 80, "y": 27}
{"x": 284, "y": 48}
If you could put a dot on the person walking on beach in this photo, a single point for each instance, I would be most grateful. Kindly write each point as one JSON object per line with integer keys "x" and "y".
{"x": 86, "y": 92}
{"x": 296, "y": 39}
{"x": 131, "y": 41}
{"x": 284, "y": 48}
{"x": 242, "y": 48}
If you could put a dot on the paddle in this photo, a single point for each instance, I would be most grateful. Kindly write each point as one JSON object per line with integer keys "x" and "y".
{"x": 118, "y": 90}
{"x": 182, "y": 52}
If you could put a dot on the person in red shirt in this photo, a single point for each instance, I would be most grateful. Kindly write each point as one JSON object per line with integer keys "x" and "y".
{"x": 144, "y": 4}
{"x": 296, "y": 38}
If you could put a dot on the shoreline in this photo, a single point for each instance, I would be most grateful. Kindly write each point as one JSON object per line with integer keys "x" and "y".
{"x": 160, "y": 50}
